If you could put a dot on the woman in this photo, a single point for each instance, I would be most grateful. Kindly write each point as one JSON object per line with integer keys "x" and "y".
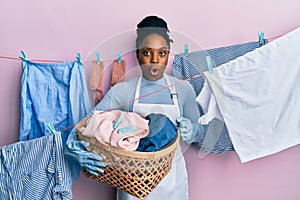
{"x": 177, "y": 102}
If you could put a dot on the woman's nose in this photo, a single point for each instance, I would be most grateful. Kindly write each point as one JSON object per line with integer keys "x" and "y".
{"x": 154, "y": 58}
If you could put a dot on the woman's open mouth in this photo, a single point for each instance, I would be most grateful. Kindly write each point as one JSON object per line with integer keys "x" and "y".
{"x": 154, "y": 71}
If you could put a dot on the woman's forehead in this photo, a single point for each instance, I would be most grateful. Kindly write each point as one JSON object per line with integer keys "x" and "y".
{"x": 154, "y": 41}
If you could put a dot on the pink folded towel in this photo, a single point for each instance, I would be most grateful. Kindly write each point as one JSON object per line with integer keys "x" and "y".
{"x": 118, "y": 128}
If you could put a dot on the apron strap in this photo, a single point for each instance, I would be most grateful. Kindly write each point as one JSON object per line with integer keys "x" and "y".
{"x": 170, "y": 85}
{"x": 137, "y": 93}
{"x": 174, "y": 95}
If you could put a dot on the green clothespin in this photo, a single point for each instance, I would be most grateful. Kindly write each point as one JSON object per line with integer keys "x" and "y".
{"x": 98, "y": 57}
{"x": 261, "y": 39}
{"x": 117, "y": 122}
{"x": 209, "y": 65}
{"x": 119, "y": 57}
{"x": 127, "y": 130}
{"x": 23, "y": 56}
{"x": 51, "y": 128}
{"x": 186, "y": 50}
{"x": 78, "y": 57}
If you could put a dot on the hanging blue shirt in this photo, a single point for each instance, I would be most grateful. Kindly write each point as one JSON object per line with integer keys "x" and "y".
{"x": 35, "y": 169}
{"x": 53, "y": 92}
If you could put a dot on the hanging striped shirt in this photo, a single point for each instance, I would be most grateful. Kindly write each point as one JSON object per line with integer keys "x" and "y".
{"x": 35, "y": 169}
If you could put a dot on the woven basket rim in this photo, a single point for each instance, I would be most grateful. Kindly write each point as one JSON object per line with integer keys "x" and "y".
{"x": 138, "y": 154}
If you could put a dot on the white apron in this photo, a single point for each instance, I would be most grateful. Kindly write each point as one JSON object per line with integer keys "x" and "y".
{"x": 175, "y": 184}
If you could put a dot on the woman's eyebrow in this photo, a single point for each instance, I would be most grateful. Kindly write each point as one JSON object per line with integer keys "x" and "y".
{"x": 161, "y": 48}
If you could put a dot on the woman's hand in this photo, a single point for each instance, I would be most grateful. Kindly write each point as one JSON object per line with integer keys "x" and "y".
{"x": 188, "y": 130}
{"x": 76, "y": 150}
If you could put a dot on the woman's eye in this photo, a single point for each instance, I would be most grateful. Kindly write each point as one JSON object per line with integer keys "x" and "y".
{"x": 146, "y": 53}
{"x": 162, "y": 53}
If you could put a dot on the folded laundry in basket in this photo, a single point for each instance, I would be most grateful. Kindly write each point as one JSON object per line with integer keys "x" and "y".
{"x": 118, "y": 128}
{"x": 161, "y": 132}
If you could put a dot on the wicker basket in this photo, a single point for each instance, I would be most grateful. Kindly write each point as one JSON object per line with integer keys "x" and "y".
{"x": 136, "y": 173}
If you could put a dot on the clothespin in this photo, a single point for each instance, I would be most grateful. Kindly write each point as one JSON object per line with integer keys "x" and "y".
{"x": 209, "y": 65}
{"x": 98, "y": 57}
{"x": 23, "y": 56}
{"x": 117, "y": 122}
{"x": 51, "y": 128}
{"x": 119, "y": 57}
{"x": 186, "y": 49}
{"x": 261, "y": 39}
{"x": 78, "y": 57}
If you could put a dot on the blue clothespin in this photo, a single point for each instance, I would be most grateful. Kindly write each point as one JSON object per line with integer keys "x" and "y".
{"x": 98, "y": 57}
{"x": 209, "y": 65}
{"x": 186, "y": 50}
{"x": 78, "y": 57}
{"x": 51, "y": 128}
{"x": 119, "y": 57}
{"x": 23, "y": 56}
{"x": 117, "y": 122}
{"x": 127, "y": 130}
{"x": 262, "y": 40}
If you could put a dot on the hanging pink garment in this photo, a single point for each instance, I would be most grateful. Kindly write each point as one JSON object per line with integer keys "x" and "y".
{"x": 118, "y": 128}
{"x": 118, "y": 72}
{"x": 96, "y": 81}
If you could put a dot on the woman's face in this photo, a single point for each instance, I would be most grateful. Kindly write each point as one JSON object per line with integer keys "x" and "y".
{"x": 153, "y": 57}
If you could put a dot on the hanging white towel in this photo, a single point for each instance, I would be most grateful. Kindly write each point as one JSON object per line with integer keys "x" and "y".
{"x": 208, "y": 104}
{"x": 258, "y": 96}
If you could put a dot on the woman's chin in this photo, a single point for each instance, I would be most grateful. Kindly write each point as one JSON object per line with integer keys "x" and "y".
{"x": 153, "y": 77}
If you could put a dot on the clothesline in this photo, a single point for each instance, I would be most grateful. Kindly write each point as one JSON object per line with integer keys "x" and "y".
{"x": 129, "y": 58}
{"x": 141, "y": 97}
{"x": 43, "y": 60}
